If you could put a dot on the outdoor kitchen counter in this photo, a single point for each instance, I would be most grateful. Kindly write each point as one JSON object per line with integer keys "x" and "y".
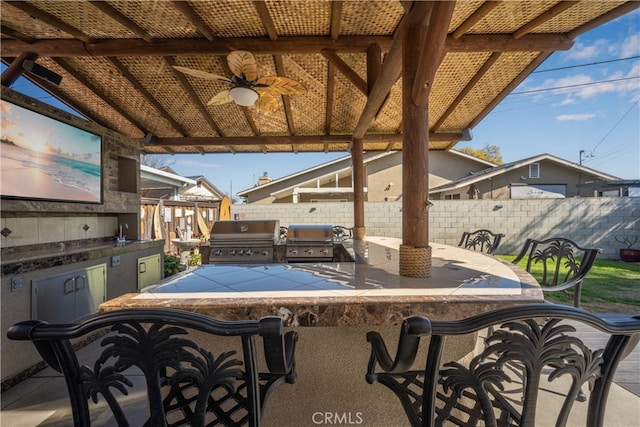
{"x": 24, "y": 259}
{"x": 332, "y": 306}
{"x": 367, "y": 292}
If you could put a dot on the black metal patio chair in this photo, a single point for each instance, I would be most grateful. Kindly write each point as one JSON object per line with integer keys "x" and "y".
{"x": 478, "y": 390}
{"x": 482, "y": 240}
{"x": 190, "y": 368}
{"x": 341, "y": 233}
{"x": 563, "y": 262}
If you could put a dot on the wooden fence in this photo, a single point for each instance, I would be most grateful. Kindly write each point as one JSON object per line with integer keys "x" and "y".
{"x": 160, "y": 219}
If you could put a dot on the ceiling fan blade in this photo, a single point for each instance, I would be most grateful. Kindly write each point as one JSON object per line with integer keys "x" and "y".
{"x": 243, "y": 64}
{"x": 223, "y": 97}
{"x": 201, "y": 74}
{"x": 267, "y": 103}
{"x": 283, "y": 85}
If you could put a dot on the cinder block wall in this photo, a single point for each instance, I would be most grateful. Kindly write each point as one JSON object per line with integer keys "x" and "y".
{"x": 588, "y": 221}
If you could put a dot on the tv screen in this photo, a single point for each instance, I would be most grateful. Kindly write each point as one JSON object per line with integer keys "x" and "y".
{"x": 46, "y": 159}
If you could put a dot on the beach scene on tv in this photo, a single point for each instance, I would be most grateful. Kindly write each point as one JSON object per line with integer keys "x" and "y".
{"x": 42, "y": 158}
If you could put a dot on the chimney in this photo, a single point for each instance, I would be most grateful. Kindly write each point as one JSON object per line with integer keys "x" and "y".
{"x": 264, "y": 179}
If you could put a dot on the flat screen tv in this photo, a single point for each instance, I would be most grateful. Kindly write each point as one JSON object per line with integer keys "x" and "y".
{"x": 42, "y": 158}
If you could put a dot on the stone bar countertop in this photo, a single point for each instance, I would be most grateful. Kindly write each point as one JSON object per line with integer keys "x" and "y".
{"x": 22, "y": 259}
{"x": 367, "y": 292}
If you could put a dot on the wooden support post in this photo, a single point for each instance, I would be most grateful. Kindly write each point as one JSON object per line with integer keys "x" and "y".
{"x": 359, "y": 230}
{"x": 415, "y": 253}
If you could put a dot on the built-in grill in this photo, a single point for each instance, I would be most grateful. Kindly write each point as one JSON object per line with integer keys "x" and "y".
{"x": 249, "y": 241}
{"x": 310, "y": 243}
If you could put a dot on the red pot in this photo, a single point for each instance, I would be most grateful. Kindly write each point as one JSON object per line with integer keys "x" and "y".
{"x": 630, "y": 255}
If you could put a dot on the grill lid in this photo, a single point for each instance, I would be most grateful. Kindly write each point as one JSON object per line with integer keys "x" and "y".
{"x": 240, "y": 231}
{"x": 304, "y": 234}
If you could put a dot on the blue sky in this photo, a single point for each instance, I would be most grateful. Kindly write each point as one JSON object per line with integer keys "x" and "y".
{"x": 586, "y": 98}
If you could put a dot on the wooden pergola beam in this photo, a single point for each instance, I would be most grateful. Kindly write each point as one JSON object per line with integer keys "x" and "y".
{"x": 71, "y": 102}
{"x": 507, "y": 43}
{"x": 541, "y": 19}
{"x": 468, "y": 88}
{"x": 50, "y": 20}
{"x": 295, "y": 140}
{"x": 613, "y": 14}
{"x": 476, "y": 16}
{"x": 147, "y": 95}
{"x": 121, "y": 19}
{"x": 15, "y": 34}
{"x": 283, "y": 45}
{"x": 194, "y": 18}
{"x": 346, "y": 70}
{"x": 336, "y": 17}
{"x": 389, "y": 72}
{"x": 184, "y": 83}
{"x": 510, "y": 87}
{"x": 15, "y": 69}
{"x": 90, "y": 86}
{"x": 433, "y": 51}
{"x": 285, "y": 99}
{"x": 267, "y": 22}
{"x": 265, "y": 17}
{"x": 328, "y": 114}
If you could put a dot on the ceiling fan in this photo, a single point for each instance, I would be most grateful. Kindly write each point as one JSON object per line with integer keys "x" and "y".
{"x": 247, "y": 88}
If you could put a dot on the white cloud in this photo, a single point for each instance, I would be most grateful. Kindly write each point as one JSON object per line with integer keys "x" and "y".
{"x": 582, "y": 52}
{"x": 567, "y": 101}
{"x": 574, "y": 117}
{"x": 630, "y": 46}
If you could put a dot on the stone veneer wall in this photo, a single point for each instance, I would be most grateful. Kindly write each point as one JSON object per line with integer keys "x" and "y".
{"x": 36, "y": 222}
{"x": 40, "y": 228}
{"x": 588, "y": 221}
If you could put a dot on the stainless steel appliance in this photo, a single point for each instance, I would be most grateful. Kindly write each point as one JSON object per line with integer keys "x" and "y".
{"x": 310, "y": 243}
{"x": 250, "y": 241}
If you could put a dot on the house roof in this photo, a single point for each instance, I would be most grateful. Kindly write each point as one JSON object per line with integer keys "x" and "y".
{"x": 117, "y": 59}
{"x": 208, "y": 184}
{"x": 504, "y": 168}
{"x": 151, "y": 178}
{"x": 329, "y": 169}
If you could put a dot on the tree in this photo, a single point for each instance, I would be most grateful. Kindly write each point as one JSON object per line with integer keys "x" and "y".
{"x": 156, "y": 161}
{"x": 490, "y": 153}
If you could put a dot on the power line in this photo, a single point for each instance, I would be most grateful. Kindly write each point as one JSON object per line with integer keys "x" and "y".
{"x": 574, "y": 86}
{"x": 616, "y": 125}
{"x": 586, "y": 65}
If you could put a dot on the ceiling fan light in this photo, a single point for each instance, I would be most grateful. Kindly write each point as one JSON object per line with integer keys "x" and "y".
{"x": 244, "y": 96}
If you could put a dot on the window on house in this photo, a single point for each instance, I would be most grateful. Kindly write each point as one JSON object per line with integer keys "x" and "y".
{"x": 452, "y": 196}
{"x": 534, "y": 170}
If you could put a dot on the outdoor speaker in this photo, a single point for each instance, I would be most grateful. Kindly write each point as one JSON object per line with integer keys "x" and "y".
{"x": 41, "y": 71}
{"x": 150, "y": 138}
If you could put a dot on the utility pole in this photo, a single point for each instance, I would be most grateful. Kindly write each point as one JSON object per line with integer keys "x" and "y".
{"x": 585, "y": 156}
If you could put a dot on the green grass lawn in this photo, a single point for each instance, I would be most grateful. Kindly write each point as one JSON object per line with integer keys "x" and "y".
{"x": 610, "y": 287}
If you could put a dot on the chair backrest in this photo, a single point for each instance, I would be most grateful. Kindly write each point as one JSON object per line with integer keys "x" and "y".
{"x": 532, "y": 359}
{"x": 558, "y": 264}
{"x": 482, "y": 240}
{"x": 283, "y": 232}
{"x": 341, "y": 233}
{"x": 190, "y": 368}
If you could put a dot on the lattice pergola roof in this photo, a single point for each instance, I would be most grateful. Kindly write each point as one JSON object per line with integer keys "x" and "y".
{"x": 116, "y": 60}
